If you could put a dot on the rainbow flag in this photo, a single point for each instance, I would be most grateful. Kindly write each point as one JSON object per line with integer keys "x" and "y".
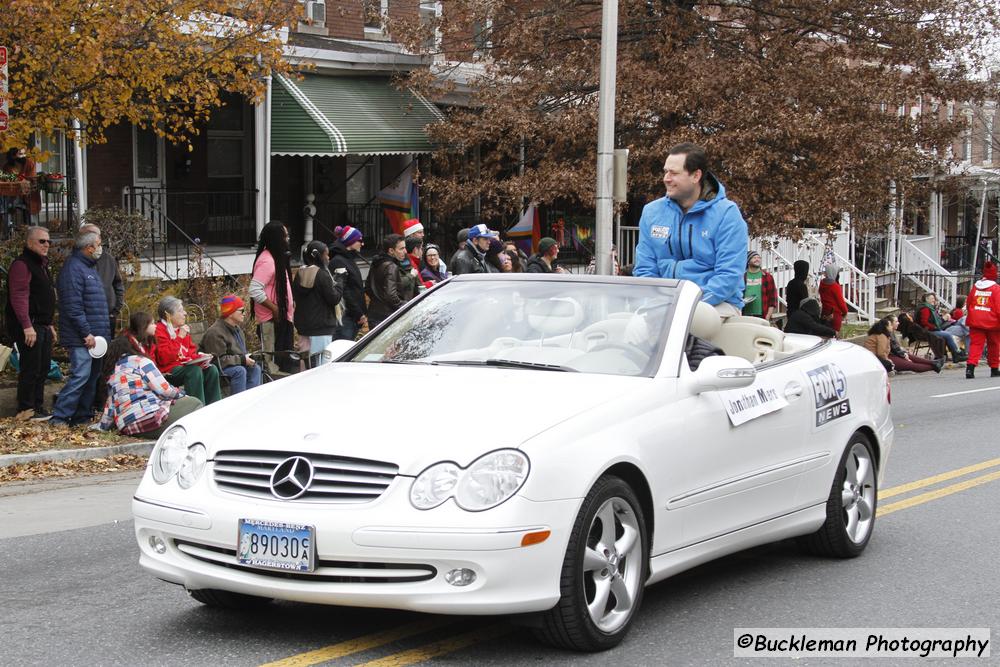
{"x": 527, "y": 232}
{"x": 401, "y": 200}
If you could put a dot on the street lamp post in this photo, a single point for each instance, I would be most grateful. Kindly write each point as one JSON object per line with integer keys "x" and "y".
{"x": 606, "y": 136}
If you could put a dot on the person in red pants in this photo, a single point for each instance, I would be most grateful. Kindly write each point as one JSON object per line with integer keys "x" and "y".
{"x": 983, "y": 320}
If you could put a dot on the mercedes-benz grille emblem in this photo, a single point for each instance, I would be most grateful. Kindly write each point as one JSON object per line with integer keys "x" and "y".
{"x": 291, "y": 478}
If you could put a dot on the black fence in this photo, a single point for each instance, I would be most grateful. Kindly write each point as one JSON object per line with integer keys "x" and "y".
{"x": 51, "y": 205}
{"x": 216, "y": 218}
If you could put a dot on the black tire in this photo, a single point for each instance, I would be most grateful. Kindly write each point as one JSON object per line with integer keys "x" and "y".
{"x": 833, "y": 539}
{"x": 227, "y": 599}
{"x": 569, "y": 624}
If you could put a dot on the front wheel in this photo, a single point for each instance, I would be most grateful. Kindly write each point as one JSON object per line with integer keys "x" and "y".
{"x": 850, "y": 508}
{"x": 604, "y": 571}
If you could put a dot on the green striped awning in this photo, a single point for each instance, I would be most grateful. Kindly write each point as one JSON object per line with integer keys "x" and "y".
{"x": 343, "y": 115}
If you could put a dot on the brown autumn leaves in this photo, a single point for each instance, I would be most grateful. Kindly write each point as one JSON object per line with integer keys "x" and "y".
{"x": 798, "y": 102}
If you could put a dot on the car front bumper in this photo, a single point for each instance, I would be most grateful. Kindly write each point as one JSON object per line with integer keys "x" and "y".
{"x": 382, "y": 554}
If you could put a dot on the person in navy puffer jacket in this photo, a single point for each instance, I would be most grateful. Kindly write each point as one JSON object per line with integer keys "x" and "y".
{"x": 694, "y": 233}
{"x": 83, "y": 315}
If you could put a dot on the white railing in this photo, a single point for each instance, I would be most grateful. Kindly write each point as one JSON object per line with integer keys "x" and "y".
{"x": 628, "y": 239}
{"x": 927, "y": 274}
{"x": 859, "y": 289}
{"x": 778, "y": 257}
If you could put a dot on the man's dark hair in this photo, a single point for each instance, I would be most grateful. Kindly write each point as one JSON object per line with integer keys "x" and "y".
{"x": 389, "y": 242}
{"x": 412, "y": 242}
{"x": 695, "y": 157}
{"x": 272, "y": 239}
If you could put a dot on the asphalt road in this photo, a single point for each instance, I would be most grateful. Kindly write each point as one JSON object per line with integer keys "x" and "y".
{"x": 71, "y": 592}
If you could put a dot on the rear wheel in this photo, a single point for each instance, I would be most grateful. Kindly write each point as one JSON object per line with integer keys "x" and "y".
{"x": 604, "y": 571}
{"x": 850, "y": 509}
{"x": 227, "y": 599}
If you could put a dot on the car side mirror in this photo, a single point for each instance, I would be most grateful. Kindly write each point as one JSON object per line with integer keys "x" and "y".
{"x": 336, "y": 350}
{"x": 721, "y": 373}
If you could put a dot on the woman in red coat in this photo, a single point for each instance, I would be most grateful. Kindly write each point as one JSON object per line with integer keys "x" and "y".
{"x": 832, "y": 297}
{"x": 178, "y": 357}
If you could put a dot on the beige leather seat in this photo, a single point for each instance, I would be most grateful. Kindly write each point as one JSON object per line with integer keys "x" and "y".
{"x": 756, "y": 343}
{"x": 748, "y": 337}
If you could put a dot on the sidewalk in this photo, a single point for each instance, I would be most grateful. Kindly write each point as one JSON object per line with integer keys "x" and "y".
{"x": 51, "y": 505}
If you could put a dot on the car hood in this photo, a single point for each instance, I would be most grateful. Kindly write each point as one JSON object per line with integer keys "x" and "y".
{"x": 409, "y": 415}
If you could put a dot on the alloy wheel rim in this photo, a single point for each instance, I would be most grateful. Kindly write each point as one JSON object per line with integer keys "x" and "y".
{"x": 858, "y": 494}
{"x": 612, "y": 565}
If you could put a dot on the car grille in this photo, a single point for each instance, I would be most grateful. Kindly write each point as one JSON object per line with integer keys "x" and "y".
{"x": 327, "y": 571}
{"x": 336, "y": 479}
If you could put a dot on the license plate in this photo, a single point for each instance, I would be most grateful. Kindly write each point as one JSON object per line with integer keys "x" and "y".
{"x": 276, "y": 545}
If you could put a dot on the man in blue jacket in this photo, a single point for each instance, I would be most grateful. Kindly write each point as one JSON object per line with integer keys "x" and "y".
{"x": 694, "y": 233}
{"x": 83, "y": 315}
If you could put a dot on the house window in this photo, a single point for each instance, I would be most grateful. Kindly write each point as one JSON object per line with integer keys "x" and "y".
{"x": 482, "y": 38}
{"x": 988, "y": 134}
{"x": 225, "y": 157}
{"x": 362, "y": 173}
{"x": 967, "y": 137}
{"x": 226, "y": 139}
{"x": 54, "y": 146}
{"x": 430, "y": 12}
{"x": 374, "y": 12}
{"x": 147, "y": 155}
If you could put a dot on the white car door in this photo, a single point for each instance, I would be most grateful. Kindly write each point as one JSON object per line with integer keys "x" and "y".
{"x": 743, "y": 453}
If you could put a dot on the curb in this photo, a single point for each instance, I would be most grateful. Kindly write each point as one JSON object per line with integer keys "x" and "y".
{"x": 139, "y": 448}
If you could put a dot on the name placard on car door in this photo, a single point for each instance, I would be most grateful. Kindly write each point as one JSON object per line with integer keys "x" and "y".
{"x": 757, "y": 400}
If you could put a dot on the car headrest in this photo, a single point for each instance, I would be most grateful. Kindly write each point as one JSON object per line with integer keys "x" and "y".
{"x": 706, "y": 321}
{"x": 555, "y": 316}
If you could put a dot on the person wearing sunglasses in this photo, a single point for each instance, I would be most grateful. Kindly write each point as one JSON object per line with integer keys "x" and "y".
{"x": 31, "y": 305}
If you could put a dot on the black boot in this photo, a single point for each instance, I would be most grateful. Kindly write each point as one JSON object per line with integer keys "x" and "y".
{"x": 970, "y": 371}
{"x": 995, "y": 372}
{"x": 938, "y": 364}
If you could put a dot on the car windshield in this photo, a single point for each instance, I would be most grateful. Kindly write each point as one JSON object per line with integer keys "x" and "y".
{"x": 591, "y": 327}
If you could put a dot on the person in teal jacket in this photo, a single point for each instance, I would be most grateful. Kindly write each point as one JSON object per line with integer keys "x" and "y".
{"x": 694, "y": 233}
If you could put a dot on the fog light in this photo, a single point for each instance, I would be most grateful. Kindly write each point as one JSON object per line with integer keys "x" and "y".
{"x": 460, "y": 577}
{"x": 159, "y": 546}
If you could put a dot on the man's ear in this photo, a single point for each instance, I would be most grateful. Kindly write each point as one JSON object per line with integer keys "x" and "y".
{"x": 700, "y": 175}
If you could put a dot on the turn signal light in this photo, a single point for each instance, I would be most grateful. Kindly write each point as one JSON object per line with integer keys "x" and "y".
{"x": 535, "y": 538}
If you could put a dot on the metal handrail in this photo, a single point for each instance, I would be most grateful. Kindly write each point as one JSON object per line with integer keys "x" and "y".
{"x": 149, "y": 202}
{"x": 927, "y": 274}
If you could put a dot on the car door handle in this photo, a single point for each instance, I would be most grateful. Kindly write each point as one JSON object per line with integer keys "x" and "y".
{"x": 793, "y": 391}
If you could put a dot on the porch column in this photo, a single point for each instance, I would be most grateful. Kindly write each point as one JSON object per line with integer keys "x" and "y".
{"x": 81, "y": 176}
{"x": 934, "y": 220}
{"x": 262, "y": 161}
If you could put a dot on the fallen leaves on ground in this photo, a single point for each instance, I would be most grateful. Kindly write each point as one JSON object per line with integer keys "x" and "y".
{"x": 31, "y": 471}
{"x": 21, "y": 437}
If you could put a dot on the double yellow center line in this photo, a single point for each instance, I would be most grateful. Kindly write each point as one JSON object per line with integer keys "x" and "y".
{"x": 922, "y": 498}
{"x": 488, "y": 632}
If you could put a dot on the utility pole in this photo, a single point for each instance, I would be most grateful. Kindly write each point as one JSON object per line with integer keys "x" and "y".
{"x": 606, "y": 136}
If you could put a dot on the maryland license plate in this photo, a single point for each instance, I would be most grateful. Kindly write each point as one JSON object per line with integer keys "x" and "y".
{"x": 277, "y": 546}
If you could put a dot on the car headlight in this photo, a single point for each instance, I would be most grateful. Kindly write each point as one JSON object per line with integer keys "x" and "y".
{"x": 192, "y": 466}
{"x": 434, "y": 485}
{"x": 169, "y": 454}
{"x": 487, "y": 482}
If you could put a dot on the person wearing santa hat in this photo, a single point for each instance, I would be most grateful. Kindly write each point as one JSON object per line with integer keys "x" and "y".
{"x": 412, "y": 227}
{"x": 983, "y": 320}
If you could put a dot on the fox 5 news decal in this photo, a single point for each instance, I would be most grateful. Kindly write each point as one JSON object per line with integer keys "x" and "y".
{"x": 830, "y": 391}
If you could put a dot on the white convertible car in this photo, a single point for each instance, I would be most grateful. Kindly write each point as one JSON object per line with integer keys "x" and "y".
{"x": 579, "y": 438}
